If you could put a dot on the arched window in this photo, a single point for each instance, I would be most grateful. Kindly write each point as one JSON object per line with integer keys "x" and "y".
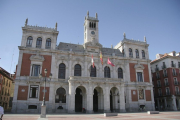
{"x": 29, "y": 41}
{"x": 130, "y": 52}
{"x": 38, "y": 42}
{"x": 90, "y": 24}
{"x": 48, "y": 43}
{"x": 137, "y": 53}
{"x": 93, "y": 71}
{"x": 94, "y": 25}
{"x": 143, "y": 54}
{"x": 60, "y": 95}
{"x": 120, "y": 73}
{"x": 62, "y": 71}
{"x": 77, "y": 70}
{"x": 107, "y": 72}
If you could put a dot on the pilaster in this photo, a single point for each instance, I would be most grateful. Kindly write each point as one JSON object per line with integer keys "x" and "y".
{"x": 107, "y": 99}
{"x": 71, "y": 105}
{"x": 122, "y": 99}
{"x": 174, "y": 103}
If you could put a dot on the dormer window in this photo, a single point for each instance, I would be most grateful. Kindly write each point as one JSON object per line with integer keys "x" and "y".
{"x": 143, "y": 54}
{"x": 29, "y": 41}
{"x": 48, "y": 43}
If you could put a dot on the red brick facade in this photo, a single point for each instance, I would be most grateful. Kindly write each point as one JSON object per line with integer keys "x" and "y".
{"x": 134, "y": 96}
{"x": 42, "y": 93}
{"x": 148, "y": 95}
{"x": 133, "y": 72}
{"x": 22, "y": 93}
{"x": 26, "y": 64}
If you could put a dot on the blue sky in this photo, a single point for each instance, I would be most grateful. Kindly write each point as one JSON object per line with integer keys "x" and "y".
{"x": 158, "y": 20}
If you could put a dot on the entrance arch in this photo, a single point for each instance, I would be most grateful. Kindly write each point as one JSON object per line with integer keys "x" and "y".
{"x": 98, "y": 100}
{"x": 114, "y": 99}
{"x": 80, "y": 99}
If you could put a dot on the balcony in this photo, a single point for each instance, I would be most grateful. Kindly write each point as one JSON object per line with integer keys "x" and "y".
{"x": 177, "y": 92}
{"x": 158, "y": 85}
{"x": 157, "y": 77}
{"x": 173, "y": 65}
{"x": 131, "y": 56}
{"x": 38, "y": 46}
{"x": 48, "y": 47}
{"x": 28, "y": 45}
{"x": 176, "y": 83}
{"x": 174, "y": 74}
{"x": 164, "y": 67}
{"x": 156, "y": 69}
{"x": 168, "y": 93}
{"x": 166, "y": 84}
{"x": 143, "y": 57}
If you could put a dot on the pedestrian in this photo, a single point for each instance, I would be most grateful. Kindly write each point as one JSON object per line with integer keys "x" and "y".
{"x": 1, "y": 112}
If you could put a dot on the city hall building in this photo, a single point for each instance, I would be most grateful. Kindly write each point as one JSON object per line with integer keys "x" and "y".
{"x": 75, "y": 85}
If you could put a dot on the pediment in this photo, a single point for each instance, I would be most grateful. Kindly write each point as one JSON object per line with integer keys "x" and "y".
{"x": 139, "y": 66}
{"x": 37, "y": 57}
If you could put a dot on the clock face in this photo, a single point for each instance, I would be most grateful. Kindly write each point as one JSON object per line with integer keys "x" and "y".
{"x": 92, "y": 32}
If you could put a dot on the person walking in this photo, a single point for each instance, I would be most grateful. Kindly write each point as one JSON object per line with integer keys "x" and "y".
{"x": 1, "y": 112}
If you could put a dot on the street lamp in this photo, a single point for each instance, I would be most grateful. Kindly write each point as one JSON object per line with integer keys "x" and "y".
{"x": 43, "y": 106}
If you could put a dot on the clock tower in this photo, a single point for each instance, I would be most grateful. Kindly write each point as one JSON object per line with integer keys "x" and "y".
{"x": 91, "y": 30}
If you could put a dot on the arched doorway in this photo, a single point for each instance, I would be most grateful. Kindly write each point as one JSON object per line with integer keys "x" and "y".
{"x": 80, "y": 99}
{"x": 114, "y": 99}
{"x": 60, "y": 98}
{"x": 98, "y": 100}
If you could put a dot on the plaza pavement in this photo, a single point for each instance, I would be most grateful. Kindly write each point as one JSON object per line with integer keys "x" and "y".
{"x": 121, "y": 116}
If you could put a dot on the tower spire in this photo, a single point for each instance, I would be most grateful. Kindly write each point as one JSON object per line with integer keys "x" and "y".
{"x": 56, "y": 26}
{"x": 124, "y": 34}
{"x": 144, "y": 38}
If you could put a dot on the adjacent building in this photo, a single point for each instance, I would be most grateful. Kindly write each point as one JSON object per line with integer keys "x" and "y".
{"x": 75, "y": 84}
{"x": 166, "y": 79}
{"x": 6, "y": 92}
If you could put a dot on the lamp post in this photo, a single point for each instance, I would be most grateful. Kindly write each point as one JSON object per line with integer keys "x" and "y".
{"x": 43, "y": 106}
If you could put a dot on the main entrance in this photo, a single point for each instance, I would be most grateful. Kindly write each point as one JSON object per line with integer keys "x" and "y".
{"x": 98, "y": 100}
{"x": 80, "y": 99}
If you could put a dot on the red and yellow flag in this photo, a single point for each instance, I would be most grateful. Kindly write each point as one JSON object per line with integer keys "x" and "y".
{"x": 101, "y": 58}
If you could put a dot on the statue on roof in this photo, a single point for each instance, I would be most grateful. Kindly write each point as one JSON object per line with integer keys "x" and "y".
{"x": 88, "y": 13}
{"x": 124, "y": 35}
{"x": 26, "y": 22}
{"x": 144, "y": 38}
{"x": 56, "y": 26}
{"x": 96, "y": 15}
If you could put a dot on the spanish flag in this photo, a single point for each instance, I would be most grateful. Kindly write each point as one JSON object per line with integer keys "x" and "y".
{"x": 101, "y": 58}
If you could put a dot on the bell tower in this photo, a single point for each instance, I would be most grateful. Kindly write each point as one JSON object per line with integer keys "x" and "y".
{"x": 91, "y": 30}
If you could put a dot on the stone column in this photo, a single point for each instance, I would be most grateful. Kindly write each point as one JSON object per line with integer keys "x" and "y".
{"x": 70, "y": 65}
{"x": 53, "y": 67}
{"x": 174, "y": 103}
{"x": 165, "y": 104}
{"x": 51, "y": 99}
{"x": 122, "y": 99}
{"x": 71, "y": 105}
{"x": 14, "y": 102}
{"x": 85, "y": 67}
{"x": 90, "y": 99}
{"x": 106, "y": 99}
{"x": 19, "y": 63}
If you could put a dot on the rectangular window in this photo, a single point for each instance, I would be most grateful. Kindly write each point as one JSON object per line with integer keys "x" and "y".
{"x": 34, "y": 91}
{"x": 167, "y": 91}
{"x": 178, "y": 64}
{"x": 159, "y": 83}
{"x": 177, "y": 90}
{"x": 160, "y": 92}
{"x": 139, "y": 76}
{"x": 165, "y": 73}
{"x": 35, "y": 70}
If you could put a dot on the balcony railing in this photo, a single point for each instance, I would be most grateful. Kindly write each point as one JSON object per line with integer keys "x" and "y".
{"x": 160, "y": 94}
{"x": 157, "y": 76}
{"x": 166, "y": 84}
{"x": 164, "y": 67}
{"x": 156, "y": 69}
{"x": 28, "y": 45}
{"x": 173, "y": 65}
{"x": 168, "y": 93}
{"x": 176, "y": 83}
{"x": 158, "y": 85}
{"x": 38, "y": 46}
{"x": 174, "y": 74}
{"x": 48, "y": 47}
{"x": 143, "y": 57}
{"x": 131, "y": 56}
